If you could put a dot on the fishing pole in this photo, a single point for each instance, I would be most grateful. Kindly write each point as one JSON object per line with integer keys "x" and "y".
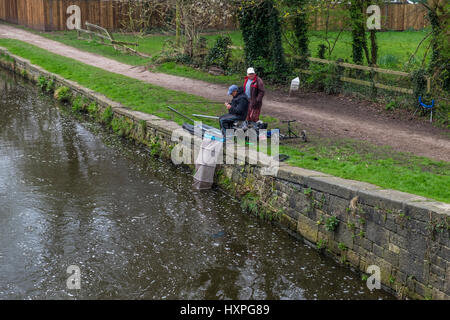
{"x": 179, "y": 113}
{"x": 196, "y": 102}
{"x": 203, "y": 116}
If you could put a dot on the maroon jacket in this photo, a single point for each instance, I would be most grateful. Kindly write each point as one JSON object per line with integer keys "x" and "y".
{"x": 256, "y": 92}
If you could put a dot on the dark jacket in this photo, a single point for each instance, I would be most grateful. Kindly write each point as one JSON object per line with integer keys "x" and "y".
{"x": 239, "y": 104}
{"x": 256, "y": 92}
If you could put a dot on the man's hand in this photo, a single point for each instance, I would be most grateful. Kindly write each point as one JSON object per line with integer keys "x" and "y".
{"x": 228, "y": 106}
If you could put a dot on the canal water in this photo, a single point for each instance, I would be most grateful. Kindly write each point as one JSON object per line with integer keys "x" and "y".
{"x": 73, "y": 194}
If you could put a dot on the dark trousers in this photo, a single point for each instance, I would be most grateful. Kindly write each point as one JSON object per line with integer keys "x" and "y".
{"x": 226, "y": 121}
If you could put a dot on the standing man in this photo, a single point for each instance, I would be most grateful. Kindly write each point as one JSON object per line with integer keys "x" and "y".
{"x": 254, "y": 89}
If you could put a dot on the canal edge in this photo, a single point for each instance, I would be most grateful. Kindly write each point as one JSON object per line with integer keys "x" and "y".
{"x": 356, "y": 223}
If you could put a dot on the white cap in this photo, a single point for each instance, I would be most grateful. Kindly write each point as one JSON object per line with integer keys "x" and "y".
{"x": 250, "y": 70}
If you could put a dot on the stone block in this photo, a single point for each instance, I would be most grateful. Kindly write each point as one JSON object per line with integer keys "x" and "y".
{"x": 338, "y": 207}
{"x": 423, "y": 209}
{"x": 342, "y": 188}
{"x": 377, "y": 234}
{"x": 307, "y": 228}
{"x": 375, "y": 216}
{"x": 444, "y": 253}
{"x": 333, "y": 247}
{"x": 363, "y": 264}
{"x": 385, "y": 269}
{"x": 437, "y": 282}
{"x": 386, "y": 198}
{"x": 298, "y": 175}
{"x": 392, "y": 257}
{"x": 289, "y": 222}
{"x": 421, "y": 290}
{"x": 353, "y": 258}
{"x": 443, "y": 238}
{"x": 416, "y": 244}
{"x": 417, "y": 226}
{"x": 390, "y": 225}
{"x": 438, "y": 261}
{"x": 300, "y": 202}
{"x": 411, "y": 265}
{"x": 400, "y": 277}
{"x": 378, "y": 251}
{"x": 323, "y": 237}
{"x": 363, "y": 253}
{"x": 366, "y": 244}
{"x": 344, "y": 234}
{"x": 439, "y": 295}
{"x": 447, "y": 280}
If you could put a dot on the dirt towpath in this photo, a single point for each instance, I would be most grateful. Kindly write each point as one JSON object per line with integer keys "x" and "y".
{"x": 330, "y": 116}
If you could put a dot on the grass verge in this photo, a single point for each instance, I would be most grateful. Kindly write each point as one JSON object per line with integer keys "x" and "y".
{"x": 343, "y": 158}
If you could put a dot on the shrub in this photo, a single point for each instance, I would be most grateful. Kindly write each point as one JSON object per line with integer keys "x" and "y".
{"x": 321, "y": 51}
{"x": 62, "y": 94}
{"x": 331, "y": 223}
{"x": 50, "y": 86}
{"x": 220, "y": 54}
{"x": 107, "y": 116}
{"x": 92, "y": 108}
{"x": 419, "y": 82}
{"x": 77, "y": 104}
{"x": 392, "y": 105}
{"x": 42, "y": 83}
{"x": 121, "y": 126}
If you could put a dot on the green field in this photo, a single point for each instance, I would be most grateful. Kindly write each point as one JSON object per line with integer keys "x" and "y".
{"x": 344, "y": 158}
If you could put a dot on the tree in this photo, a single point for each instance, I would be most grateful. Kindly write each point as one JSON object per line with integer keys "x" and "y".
{"x": 140, "y": 16}
{"x": 194, "y": 16}
{"x": 357, "y": 18}
{"x": 439, "y": 67}
{"x": 297, "y": 25}
{"x": 261, "y": 31}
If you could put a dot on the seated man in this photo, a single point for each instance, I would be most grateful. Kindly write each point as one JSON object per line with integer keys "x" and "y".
{"x": 237, "y": 109}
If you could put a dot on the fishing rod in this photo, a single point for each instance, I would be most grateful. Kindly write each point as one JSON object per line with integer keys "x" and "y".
{"x": 195, "y": 102}
{"x": 179, "y": 113}
{"x": 203, "y": 116}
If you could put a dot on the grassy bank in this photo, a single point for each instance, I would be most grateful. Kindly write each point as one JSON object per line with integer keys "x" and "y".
{"x": 348, "y": 159}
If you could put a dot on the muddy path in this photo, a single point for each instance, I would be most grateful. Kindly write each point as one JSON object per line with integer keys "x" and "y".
{"x": 324, "y": 115}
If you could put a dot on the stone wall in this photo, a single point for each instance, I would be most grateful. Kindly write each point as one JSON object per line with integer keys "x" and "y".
{"x": 359, "y": 224}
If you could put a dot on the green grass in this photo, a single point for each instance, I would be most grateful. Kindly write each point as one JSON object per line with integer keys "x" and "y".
{"x": 188, "y": 72}
{"x": 382, "y": 166}
{"x": 394, "y": 48}
{"x": 348, "y": 159}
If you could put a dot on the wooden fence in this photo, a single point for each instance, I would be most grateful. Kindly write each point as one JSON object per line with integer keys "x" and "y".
{"x": 394, "y": 16}
{"x": 50, "y": 15}
{"x": 390, "y": 87}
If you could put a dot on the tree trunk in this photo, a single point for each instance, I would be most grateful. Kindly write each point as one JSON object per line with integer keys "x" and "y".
{"x": 178, "y": 22}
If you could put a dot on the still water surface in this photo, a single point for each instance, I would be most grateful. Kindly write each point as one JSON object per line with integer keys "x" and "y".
{"x": 73, "y": 194}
